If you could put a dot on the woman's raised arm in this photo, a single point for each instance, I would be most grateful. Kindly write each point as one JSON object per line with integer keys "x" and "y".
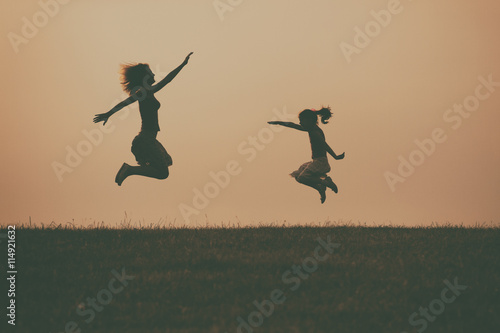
{"x": 170, "y": 76}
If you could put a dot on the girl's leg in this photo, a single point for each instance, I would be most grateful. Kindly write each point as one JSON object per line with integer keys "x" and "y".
{"x": 314, "y": 182}
{"x": 329, "y": 183}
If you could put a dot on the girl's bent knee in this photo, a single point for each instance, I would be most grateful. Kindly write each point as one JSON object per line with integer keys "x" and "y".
{"x": 300, "y": 179}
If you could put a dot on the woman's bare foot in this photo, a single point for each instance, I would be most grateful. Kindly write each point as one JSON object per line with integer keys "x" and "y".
{"x": 122, "y": 174}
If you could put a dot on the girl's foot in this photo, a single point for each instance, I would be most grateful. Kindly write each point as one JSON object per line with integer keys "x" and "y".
{"x": 322, "y": 192}
{"x": 122, "y": 174}
{"x": 330, "y": 184}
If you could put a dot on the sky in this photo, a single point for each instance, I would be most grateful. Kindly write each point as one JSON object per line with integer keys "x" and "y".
{"x": 414, "y": 87}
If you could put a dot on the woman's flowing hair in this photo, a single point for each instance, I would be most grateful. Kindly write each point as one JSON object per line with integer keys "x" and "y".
{"x": 132, "y": 77}
{"x": 324, "y": 113}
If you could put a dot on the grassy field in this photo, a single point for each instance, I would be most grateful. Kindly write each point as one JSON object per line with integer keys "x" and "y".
{"x": 266, "y": 279}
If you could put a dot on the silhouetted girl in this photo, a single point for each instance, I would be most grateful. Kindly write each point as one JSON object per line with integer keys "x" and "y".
{"x": 153, "y": 159}
{"x": 313, "y": 173}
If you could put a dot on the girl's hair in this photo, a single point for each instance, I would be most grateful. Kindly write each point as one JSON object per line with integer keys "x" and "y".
{"x": 324, "y": 113}
{"x": 133, "y": 77}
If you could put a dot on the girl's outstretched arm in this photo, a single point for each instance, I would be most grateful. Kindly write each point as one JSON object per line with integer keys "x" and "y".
{"x": 170, "y": 76}
{"x": 331, "y": 152}
{"x": 320, "y": 138}
{"x": 287, "y": 124}
{"x": 105, "y": 116}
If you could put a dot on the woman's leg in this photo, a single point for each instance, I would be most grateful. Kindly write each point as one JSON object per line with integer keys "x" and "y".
{"x": 149, "y": 171}
{"x": 141, "y": 170}
{"x": 152, "y": 157}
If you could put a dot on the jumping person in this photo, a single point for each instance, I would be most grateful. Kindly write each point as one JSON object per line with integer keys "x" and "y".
{"x": 313, "y": 173}
{"x": 137, "y": 80}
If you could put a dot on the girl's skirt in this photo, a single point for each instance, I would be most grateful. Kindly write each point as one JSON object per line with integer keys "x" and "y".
{"x": 318, "y": 167}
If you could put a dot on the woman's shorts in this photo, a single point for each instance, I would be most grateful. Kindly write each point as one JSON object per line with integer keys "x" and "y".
{"x": 149, "y": 151}
{"x": 318, "y": 167}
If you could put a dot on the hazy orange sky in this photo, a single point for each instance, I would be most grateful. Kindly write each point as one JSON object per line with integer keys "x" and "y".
{"x": 400, "y": 80}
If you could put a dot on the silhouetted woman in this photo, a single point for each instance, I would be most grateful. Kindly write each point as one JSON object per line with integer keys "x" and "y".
{"x": 138, "y": 81}
{"x": 313, "y": 173}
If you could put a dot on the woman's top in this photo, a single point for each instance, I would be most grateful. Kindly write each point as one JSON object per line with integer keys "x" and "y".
{"x": 148, "y": 108}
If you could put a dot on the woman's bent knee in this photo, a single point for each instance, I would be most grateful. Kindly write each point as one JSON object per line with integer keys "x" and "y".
{"x": 163, "y": 173}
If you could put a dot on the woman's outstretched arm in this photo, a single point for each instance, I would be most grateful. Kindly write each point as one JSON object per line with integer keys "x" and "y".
{"x": 170, "y": 76}
{"x": 287, "y": 124}
{"x": 105, "y": 116}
